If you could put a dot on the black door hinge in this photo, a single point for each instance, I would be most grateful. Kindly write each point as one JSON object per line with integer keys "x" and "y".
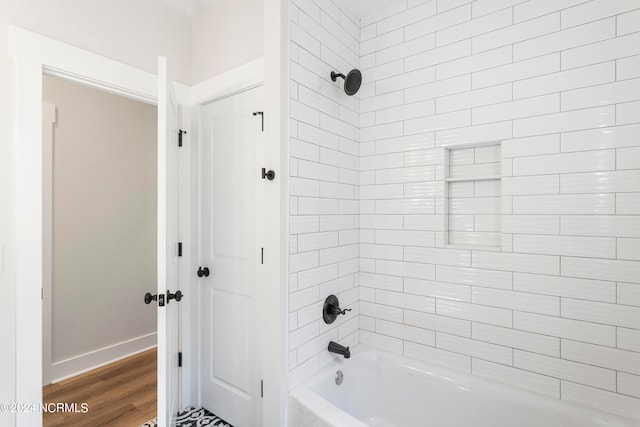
{"x": 261, "y": 388}
{"x": 261, "y": 114}
{"x": 179, "y": 359}
{"x": 179, "y": 248}
{"x": 180, "y": 132}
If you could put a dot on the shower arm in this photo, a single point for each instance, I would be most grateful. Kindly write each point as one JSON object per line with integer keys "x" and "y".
{"x": 334, "y": 76}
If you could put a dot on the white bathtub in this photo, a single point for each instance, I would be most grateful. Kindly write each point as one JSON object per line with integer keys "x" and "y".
{"x": 384, "y": 390}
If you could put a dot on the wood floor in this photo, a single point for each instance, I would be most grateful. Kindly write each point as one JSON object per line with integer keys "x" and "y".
{"x": 120, "y": 394}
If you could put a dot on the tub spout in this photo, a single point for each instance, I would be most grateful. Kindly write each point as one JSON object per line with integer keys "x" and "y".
{"x": 336, "y": 348}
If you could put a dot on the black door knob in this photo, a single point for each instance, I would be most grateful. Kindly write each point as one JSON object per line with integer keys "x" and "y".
{"x": 148, "y": 298}
{"x": 177, "y": 296}
{"x": 203, "y": 272}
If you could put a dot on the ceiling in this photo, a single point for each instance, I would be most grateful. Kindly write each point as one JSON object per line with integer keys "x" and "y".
{"x": 363, "y": 8}
{"x": 359, "y": 8}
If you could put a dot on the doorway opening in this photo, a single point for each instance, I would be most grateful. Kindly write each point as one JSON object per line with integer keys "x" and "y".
{"x": 99, "y": 254}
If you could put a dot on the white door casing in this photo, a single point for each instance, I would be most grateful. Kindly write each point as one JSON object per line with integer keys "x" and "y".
{"x": 168, "y": 259}
{"x": 230, "y": 241}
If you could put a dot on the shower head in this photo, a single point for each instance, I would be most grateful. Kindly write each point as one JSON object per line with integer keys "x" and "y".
{"x": 352, "y": 81}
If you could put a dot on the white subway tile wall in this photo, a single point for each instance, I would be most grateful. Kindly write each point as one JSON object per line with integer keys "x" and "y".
{"x": 555, "y": 308}
{"x": 324, "y": 183}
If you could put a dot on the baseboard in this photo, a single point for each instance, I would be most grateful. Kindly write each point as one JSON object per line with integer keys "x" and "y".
{"x": 82, "y": 363}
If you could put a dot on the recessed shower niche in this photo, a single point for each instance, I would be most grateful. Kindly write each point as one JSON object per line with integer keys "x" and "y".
{"x": 473, "y": 195}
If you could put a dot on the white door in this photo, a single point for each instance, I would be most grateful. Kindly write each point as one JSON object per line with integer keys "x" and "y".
{"x": 168, "y": 260}
{"x": 230, "y": 194}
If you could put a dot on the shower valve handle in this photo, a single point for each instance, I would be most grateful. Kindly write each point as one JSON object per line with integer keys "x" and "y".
{"x": 337, "y": 310}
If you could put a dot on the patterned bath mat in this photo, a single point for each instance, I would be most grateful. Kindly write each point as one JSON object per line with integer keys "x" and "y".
{"x": 192, "y": 417}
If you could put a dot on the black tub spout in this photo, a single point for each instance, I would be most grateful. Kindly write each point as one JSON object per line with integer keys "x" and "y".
{"x": 336, "y": 348}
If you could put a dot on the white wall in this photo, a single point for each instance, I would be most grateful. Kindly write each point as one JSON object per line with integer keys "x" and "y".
{"x": 134, "y": 33}
{"x": 323, "y": 224}
{"x": 557, "y": 309}
{"x": 228, "y": 34}
{"x": 104, "y": 226}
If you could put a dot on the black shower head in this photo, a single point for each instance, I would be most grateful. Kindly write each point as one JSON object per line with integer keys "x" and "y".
{"x": 352, "y": 81}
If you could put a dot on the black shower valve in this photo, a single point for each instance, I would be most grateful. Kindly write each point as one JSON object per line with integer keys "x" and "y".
{"x": 331, "y": 309}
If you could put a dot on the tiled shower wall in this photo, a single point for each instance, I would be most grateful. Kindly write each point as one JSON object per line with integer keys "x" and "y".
{"x": 324, "y": 180}
{"x": 557, "y": 83}
{"x": 556, "y": 309}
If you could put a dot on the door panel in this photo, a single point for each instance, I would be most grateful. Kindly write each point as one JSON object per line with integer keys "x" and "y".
{"x": 168, "y": 260}
{"x": 230, "y": 234}
{"x": 226, "y": 366}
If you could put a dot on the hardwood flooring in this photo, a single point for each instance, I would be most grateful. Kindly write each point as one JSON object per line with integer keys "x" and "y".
{"x": 120, "y": 394}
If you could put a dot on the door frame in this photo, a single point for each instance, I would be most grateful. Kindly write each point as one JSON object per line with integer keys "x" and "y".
{"x": 33, "y": 56}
